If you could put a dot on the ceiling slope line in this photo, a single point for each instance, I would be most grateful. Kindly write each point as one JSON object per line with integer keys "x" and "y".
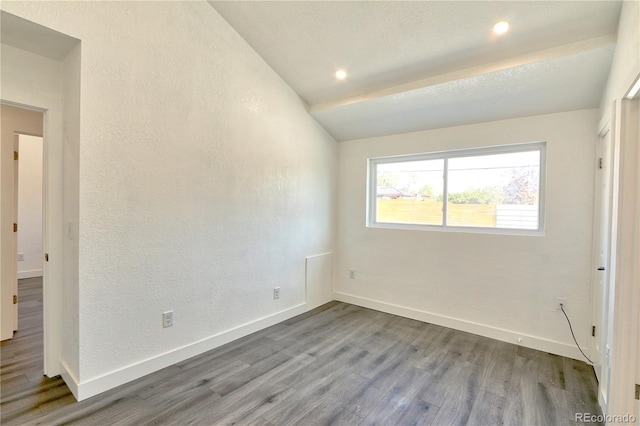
{"x": 516, "y": 61}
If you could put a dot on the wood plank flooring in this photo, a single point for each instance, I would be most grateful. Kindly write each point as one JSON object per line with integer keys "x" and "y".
{"x": 339, "y": 364}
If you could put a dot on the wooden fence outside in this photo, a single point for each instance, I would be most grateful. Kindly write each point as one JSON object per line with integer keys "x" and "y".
{"x": 411, "y": 211}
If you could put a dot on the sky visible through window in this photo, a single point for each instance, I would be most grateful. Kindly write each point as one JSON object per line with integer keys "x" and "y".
{"x": 464, "y": 172}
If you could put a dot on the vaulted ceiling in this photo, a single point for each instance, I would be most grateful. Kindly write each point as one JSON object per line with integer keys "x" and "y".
{"x": 419, "y": 65}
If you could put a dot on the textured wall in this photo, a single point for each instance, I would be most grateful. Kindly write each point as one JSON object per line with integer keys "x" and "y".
{"x": 626, "y": 59}
{"x": 70, "y": 304}
{"x": 203, "y": 182}
{"x": 501, "y": 281}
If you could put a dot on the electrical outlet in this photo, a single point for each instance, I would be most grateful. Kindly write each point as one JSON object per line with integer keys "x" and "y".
{"x": 20, "y": 257}
{"x": 276, "y": 293}
{"x": 559, "y": 301}
{"x": 352, "y": 274}
{"x": 167, "y": 319}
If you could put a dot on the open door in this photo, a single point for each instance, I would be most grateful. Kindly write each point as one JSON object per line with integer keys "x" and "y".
{"x": 14, "y": 264}
{"x": 601, "y": 295}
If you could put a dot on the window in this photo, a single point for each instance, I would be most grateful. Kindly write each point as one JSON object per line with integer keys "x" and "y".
{"x": 496, "y": 189}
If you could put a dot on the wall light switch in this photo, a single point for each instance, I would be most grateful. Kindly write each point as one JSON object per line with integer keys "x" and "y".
{"x": 20, "y": 257}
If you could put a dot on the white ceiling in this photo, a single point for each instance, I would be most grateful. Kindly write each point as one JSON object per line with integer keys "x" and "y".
{"x": 420, "y": 65}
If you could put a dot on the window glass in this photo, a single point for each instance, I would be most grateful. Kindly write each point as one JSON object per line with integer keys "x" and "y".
{"x": 499, "y": 190}
{"x": 410, "y": 192}
{"x": 488, "y": 188}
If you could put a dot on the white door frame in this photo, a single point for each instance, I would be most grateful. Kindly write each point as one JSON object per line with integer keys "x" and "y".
{"x": 600, "y": 288}
{"x": 17, "y": 121}
{"x": 52, "y": 229}
{"x": 14, "y": 251}
{"x": 626, "y": 260}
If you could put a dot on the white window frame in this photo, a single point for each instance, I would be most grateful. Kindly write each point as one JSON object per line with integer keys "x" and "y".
{"x": 371, "y": 221}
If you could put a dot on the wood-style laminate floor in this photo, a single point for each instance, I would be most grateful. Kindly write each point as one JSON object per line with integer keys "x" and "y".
{"x": 338, "y": 364}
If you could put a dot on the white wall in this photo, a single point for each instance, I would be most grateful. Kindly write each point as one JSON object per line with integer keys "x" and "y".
{"x": 203, "y": 183}
{"x": 500, "y": 286}
{"x": 626, "y": 59}
{"x": 69, "y": 304}
{"x": 30, "y": 206}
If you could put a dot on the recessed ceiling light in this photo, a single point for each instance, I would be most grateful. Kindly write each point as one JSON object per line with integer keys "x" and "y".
{"x": 341, "y": 74}
{"x": 501, "y": 27}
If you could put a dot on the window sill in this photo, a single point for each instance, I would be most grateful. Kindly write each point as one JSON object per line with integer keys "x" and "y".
{"x": 459, "y": 229}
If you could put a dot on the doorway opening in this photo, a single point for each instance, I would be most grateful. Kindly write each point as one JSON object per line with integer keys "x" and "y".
{"x": 29, "y": 202}
{"x": 52, "y": 88}
{"x": 30, "y": 254}
{"x": 23, "y": 205}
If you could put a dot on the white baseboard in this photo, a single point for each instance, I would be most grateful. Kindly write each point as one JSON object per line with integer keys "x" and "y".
{"x": 96, "y": 385}
{"x": 508, "y": 336}
{"x": 602, "y": 401}
{"x": 69, "y": 379}
{"x": 29, "y": 274}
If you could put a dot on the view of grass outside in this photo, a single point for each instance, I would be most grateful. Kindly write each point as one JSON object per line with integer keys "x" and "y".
{"x": 498, "y": 190}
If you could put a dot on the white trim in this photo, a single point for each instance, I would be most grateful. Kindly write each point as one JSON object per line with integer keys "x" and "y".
{"x": 29, "y": 274}
{"x": 509, "y": 336}
{"x": 463, "y": 229}
{"x": 317, "y": 255}
{"x": 597, "y": 299}
{"x": 613, "y": 241}
{"x": 69, "y": 378}
{"x": 99, "y": 384}
{"x": 52, "y": 216}
{"x": 626, "y": 330}
{"x": 52, "y": 230}
{"x": 463, "y": 152}
{"x": 445, "y": 199}
{"x": 602, "y": 400}
{"x": 634, "y": 90}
